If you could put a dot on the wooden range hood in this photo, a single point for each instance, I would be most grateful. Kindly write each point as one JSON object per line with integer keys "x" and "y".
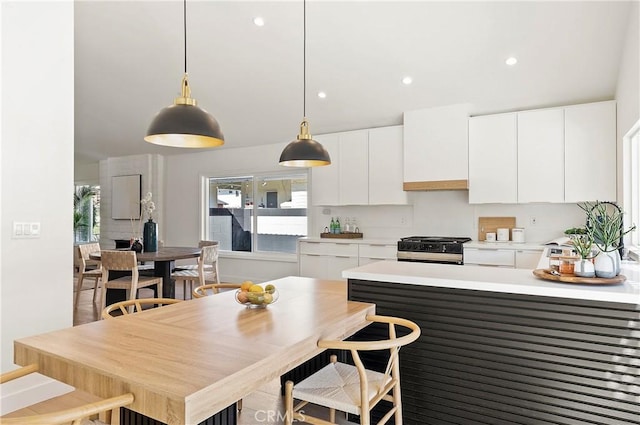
{"x": 436, "y": 185}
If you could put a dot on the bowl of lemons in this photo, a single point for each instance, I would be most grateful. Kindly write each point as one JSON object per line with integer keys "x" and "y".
{"x": 252, "y": 295}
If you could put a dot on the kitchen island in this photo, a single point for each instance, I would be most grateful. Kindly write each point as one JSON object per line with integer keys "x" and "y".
{"x": 500, "y": 346}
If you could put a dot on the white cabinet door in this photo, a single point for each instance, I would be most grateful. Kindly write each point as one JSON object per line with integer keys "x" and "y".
{"x": 385, "y": 166}
{"x": 353, "y": 184}
{"x": 377, "y": 252}
{"x": 541, "y": 156}
{"x": 336, "y": 264}
{"x": 493, "y": 176}
{"x": 313, "y": 265}
{"x": 526, "y": 259}
{"x": 325, "y": 180}
{"x": 590, "y": 152}
{"x": 489, "y": 257}
{"x": 438, "y": 137}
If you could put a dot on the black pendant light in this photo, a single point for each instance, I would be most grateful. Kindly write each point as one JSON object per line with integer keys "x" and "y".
{"x": 184, "y": 124}
{"x": 304, "y": 151}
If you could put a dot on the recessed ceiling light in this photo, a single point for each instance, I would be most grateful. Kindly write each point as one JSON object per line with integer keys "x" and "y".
{"x": 407, "y": 80}
{"x": 322, "y": 94}
{"x": 511, "y": 61}
{"x": 258, "y": 21}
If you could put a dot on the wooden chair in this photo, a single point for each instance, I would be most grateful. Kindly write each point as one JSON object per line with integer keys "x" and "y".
{"x": 82, "y": 254}
{"x": 124, "y": 307}
{"x": 124, "y": 261}
{"x": 202, "y": 274}
{"x": 353, "y": 389}
{"x": 108, "y": 408}
{"x": 207, "y": 267}
{"x": 212, "y": 289}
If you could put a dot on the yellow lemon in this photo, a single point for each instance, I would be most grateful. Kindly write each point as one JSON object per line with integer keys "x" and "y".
{"x": 256, "y": 288}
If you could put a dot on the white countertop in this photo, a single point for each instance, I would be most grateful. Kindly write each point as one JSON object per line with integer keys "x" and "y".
{"x": 530, "y": 246}
{"x": 494, "y": 279}
{"x": 371, "y": 241}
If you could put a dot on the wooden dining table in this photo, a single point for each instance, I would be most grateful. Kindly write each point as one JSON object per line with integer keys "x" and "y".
{"x": 163, "y": 264}
{"x": 187, "y": 361}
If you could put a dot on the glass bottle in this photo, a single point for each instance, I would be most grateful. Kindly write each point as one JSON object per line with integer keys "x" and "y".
{"x": 347, "y": 225}
{"x": 354, "y": 225}
{"x": 332, "y": 226}
{"x": 338, "y": 228}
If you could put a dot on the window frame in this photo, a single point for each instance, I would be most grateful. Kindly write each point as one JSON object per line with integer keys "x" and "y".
{"x": 256, "y": 177}
{"x": 631, "y": 187}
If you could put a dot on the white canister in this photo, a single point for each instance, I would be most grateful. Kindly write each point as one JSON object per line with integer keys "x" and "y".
{"x": 490, "y": 237}
{"x": 502, "y": 234}
{"x": 517, "y": 235}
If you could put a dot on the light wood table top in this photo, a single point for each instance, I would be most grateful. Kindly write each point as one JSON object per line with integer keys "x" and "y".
{"x": 185, "y": 362}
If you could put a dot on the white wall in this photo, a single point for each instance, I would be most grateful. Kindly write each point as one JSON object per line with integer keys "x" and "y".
{"x": 87, "y": 174}
{"x": 183, "y": 206}
{"x": 628, "y": 88}
{"x": 36, "y": 177}
{"x": 151, "y": 167}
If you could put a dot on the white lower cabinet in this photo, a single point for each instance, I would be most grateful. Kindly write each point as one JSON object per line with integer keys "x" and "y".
{"x": 503, "y": 257}
{"x": 527, "y": 259}
{"x": 490, "y": 257}
{"x": 327, "y": 260}
{"x": 369, "y": 253}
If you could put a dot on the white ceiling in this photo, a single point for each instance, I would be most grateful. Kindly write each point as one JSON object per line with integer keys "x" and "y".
{"x": 129, "y": 63}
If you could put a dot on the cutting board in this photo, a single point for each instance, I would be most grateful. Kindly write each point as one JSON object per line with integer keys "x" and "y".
{"x": 491, "y": 224}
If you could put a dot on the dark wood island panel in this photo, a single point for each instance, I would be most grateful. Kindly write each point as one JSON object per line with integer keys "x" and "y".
{"x": 498, "y": 358}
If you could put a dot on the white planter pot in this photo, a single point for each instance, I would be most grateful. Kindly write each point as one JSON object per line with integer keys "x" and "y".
{"x": 607, "y": 264}
{"x": 584, "y": 268}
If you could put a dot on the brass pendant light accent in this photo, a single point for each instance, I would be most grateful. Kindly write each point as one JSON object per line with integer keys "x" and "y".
{"x": 304, "y": 151}
{"x": 184, "y": 124}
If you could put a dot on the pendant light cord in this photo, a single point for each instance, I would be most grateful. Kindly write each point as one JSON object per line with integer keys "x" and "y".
{"x": 304, "y": 58}
{"x": 184, "y": 14}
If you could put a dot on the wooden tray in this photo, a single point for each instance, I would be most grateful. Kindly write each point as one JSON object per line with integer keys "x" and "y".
{"x": 546, "y": 275}
{"x": 341, "y": 235}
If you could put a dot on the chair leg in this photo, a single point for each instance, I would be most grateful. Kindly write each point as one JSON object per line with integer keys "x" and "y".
{"x": 95, "y": 288}
{"x": 239, "y": 405}
{"x": 78, "y": 288}
{"x": 103, "y": 297}
{"x": 288, "y": 402}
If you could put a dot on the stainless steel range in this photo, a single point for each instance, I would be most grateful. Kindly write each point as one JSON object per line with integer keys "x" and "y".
{"x": 432, "y": 249}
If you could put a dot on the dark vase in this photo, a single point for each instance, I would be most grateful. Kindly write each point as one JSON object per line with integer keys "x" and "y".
{"x": 150, "y": 236}
{"x": 136, "y": 246}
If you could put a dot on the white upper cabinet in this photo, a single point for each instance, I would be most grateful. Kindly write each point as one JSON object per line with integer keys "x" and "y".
{"x": 366, "y": 168}
{"x": 565, "y": 154}
{"x": 541, "y": 156}
{"x": 493, "y": 159}
{"x": 436, "y": 148}
{"x": 385, "y": 166}
{"x": 590, "y": 152}
{"x": 325, "y": 180}
{"x": 354, "y": 168}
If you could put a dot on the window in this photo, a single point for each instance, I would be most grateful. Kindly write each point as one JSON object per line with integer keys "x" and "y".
{"x": 261, "y": 213}
{"x": 86, "y": 216}
{"x": 631, "y": 159}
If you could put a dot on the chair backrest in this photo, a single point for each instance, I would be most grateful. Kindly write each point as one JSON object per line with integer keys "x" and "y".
{"x": 119, "y": 260}
{"x": 209, "y": 254}
{"x": 138, "y": 304}
{"x": 213, "y": 288}
{"x": 393, "y": 344}
{"x": 74, "y": 415}
{"x": 84, "y": 251}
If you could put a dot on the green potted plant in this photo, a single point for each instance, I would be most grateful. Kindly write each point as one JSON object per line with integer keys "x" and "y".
{"x": 583, "y": 246}
{"x": 605, "y": 226}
